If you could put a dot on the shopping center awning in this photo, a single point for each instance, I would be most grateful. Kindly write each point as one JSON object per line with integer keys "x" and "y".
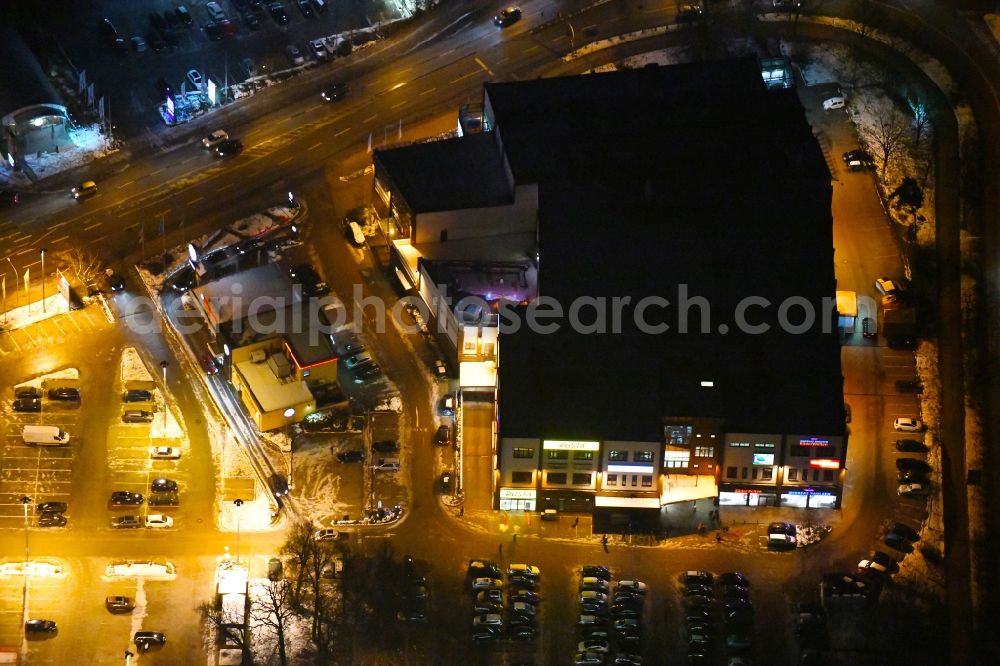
{"x": 610, "y": 501}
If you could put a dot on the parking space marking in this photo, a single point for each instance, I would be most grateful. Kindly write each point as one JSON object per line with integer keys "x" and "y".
{"x": 93, "y": 226}
{"x": 89, "y": 318}
{"x": 370, "y": 118}
{"x": 286, "y": 160}
{"x": 195, "y": 200}
{"x": 56, "y": 322}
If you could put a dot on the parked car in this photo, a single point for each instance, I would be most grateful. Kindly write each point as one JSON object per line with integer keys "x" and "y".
{"x": 351, "y": 456}
{"x": 165, "y": 452}
{"x": 137, "y": 416}
{"x": 908, "y": 424}
{"x": 484, "y": 583}
{"x": 594, "y": 583}
{"x": 27, "y": 405}
{"x": 913, "y": 489}
{"x": 126, "y": 522}
{"x": 159, "y": 521}
{"x": 113, "y": 280}
{"x": 39, "y": 626}
{"x": 27, "y": 392}
{"x": 484, "y": 568}
{"x": 697, "y": 577}
{"x": 596, "y": 571}
{"x": 635, "y": 586}
{"x": 274, "y": 569}
{"x": 8, "y": 197}
{"x": 183, "y": 15}
{"x": 144, "y": 639}
{"x": 857, "y": 160}
{"x": 164, "y": 499}
{"x": 278, "y": 13}
{"x": 909, "y": 386}
{"x": 903, "y": 531}
{"x": 306, "y": 8}
{"x": 51, "y": 507}
{"x": 119, "y": 604}
{"x": 833, "y": 103}
{"x": 294, "y": 55}
{"x": 329, "y": 534}
{"x": 358, "y": 360}
{"x": 868, "y": 328}
{"x": 912, "y": 464}
{"x": 386, "y": 446}
{"x": 214, "y": 10}
{"x": 689, "y": 13}
{"x": 316, "y": 49}
{"x": 443, "y": 435}
{"x": 734, "y": 578}
{"x": 50, "y": 519}
{"x": 195, "y": 78}
{"x": 68, "y": 394}
{"x": 125, "y": 498}
{"x": 137, "y": 396}
{"x": 446, "y": 405}
{"x": 138, "y": 44}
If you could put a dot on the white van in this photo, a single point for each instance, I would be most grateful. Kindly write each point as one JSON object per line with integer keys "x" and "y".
{"x": 44, "y": 435}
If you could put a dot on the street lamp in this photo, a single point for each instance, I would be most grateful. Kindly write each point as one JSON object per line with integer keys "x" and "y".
{"x": 25, "y": 501}
{"x": 43, "y": 279}
{"x": 128, "y": 657}
{"x": 238, "y": 503}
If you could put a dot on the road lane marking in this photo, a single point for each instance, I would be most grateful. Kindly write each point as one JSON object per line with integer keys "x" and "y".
{"x": 588, "y": 27}
{"x": 153, "y": 173}
{"x": 369, "y": 118}
{"x": 396, "y": 106}
{"x": 56, "y": 226}
{"x": 483, "y": 65}
{"x": 225, "y": 187}
{"x": 464, "y": 76}
{"x": 427, "y": 92}
{"x": 286, "y": 160}
{"x": 59, "y": 240}
{"x": 194, "y": 200}
{"x": 92, "y": 226}
{"x": 24, "y": 251}
{"x": 126, "y": 184}
{"x": 343, "y": 131}
{"x": 534, "y": 48}
{"x": 315, "y": 145}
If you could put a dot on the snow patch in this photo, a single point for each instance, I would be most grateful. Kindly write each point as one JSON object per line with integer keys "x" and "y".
{"x": 32, "y": 313}
{"x": 133, "y": 369}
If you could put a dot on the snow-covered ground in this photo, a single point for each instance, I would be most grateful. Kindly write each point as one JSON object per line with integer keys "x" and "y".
{"x": 133, "y": 369}
{"x": 32, "y": 313}
{"x": 65, "y": 373}
{"x": 89, "y": 144}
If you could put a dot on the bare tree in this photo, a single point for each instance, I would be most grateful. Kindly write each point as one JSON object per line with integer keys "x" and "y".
{"x": 323, "y": 555}
{"x": 81, "y": 263}
{"x": 299, "y": 548}
{"x": 865, "y": 13}
{"x": 228, "y": 626}
{"x": 274, "y": 610}
{"x": 888, "y": 132}
{"x": 921, "y": 120}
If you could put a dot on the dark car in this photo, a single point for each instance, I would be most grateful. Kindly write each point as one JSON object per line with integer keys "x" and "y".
{"x": 278, "y": 13}
{"x": 443, "y": 435}
{"x": 137, "y": 416}
{"x": 868, "y": 328}
{"x": 229, "y": 148}
{"x": 909, "y": 386}
{"x": 912, "y": 464}
{"x": 857, "y": 160}
{"x": 596, "y": 571}
{"x": 126, "y": 498}
{"x": 164, "y": 499}
{"x": 524, "y": 580}
{"x": 51, "y": 519}
{"x": 734, "y": 578}
{"x": 507, "y": 16}
{"x": 910, "y": 446}
{"x": 8, "y": 197}
{"x": 27, "y": 405}
{"x": 386, "y": 446}
{"x": 251, "y": 19}
{"x": 274, "y": 569}
{"x": 183, "y": 15}
{"x": 214, "y": 31}
{"x": 306, "y": 8}
{"x": 146, "y": 638}
{"x": 162, "y": 485}
{"x": 903, "y": 531}
{"x": 912, "y": 476}
{"x": 52, "y": 507}
{"x": 70, "y": 394}
{"x": 39, "y": 626}
{"x": 27, "y": 392}
{"x": 351, "y": 456}
{"x": 279, "y": 485}
{"x": 135, "y": 395}
{"x": 119, "y": 604}
{"x": 689, "y": 13}
{"x": 446, "y": 482}
{"x": 334, "y": 92}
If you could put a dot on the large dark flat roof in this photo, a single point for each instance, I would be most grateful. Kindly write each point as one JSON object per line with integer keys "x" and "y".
{"x": 727, "y": 196}
{"x": 452, "y": 174}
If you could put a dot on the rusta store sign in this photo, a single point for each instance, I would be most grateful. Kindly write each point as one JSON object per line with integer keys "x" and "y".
{"x": 561, "y": 445}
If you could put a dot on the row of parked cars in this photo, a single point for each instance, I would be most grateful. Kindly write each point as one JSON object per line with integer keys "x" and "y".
{"x": 704, "y": 594}
{"x": 488, "y": 609}
{"x": 610, "y": 625}
{"x": 29, "y": 398}
{"x": 413, "y": 594}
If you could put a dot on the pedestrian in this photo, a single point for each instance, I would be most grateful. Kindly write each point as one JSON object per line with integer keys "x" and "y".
{"x": 576, "y": 522}
{"x": 501, "y": 550}
{"x": 515, "y": 538}
{"x": 461, "y": 512}
{"x": 701, "y": 528}
{"x": 718, "y": 538}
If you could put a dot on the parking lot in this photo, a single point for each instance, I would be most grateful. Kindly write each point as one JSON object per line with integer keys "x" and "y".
{"x": 53, "y": 331}
{"x": 76, "y": 32}
{"x": 43, "y": 473}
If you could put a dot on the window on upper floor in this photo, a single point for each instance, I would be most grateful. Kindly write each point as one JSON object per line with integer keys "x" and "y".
{"x": 618, "y": 456}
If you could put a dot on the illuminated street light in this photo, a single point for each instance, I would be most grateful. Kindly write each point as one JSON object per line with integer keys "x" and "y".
{"x": 238, "y": 503}
{"x": 25, "y": 501}
{"x": 43, "y": 279}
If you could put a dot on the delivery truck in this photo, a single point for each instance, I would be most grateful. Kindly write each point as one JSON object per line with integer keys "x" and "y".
{"x": 44, "y": 435}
